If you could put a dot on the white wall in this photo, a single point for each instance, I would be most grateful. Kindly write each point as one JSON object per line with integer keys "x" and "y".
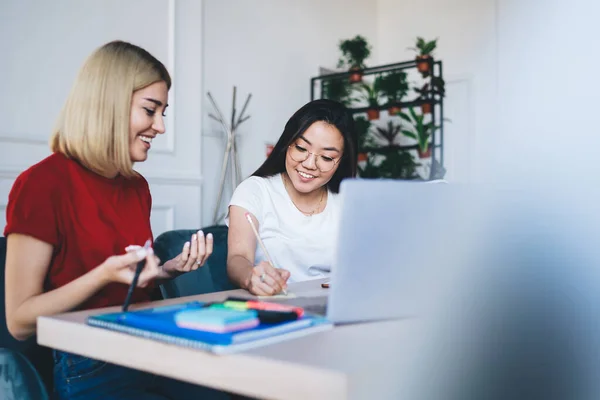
{"x": 521, "y": 83}
{"x": 270, "y": 48}
{"x": 548, "y": 92}
{"x": 466, "y": 32}
{"x": 43, "y": 44}
{"x": 528, "y": 63}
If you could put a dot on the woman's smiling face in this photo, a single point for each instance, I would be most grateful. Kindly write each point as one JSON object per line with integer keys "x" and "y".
{"x": 311, "y": 161}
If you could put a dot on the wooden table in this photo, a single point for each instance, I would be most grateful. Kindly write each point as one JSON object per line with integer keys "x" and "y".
{"x": 350, "y": 361}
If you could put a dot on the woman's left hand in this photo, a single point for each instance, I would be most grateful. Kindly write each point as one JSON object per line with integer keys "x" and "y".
{"x": 193, "y": 255}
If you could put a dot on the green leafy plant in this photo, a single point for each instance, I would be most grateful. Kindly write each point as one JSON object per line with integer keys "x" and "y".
{"x": 371, "y": 93}
{"x": 421, "y": 130}
{"x": 369, "y": 170}
{"x": 424, "y": 92}
{"x": 394, "y": 86}
{"x": 424, "y": 57}
{"x": 362, "y": 125}
{"x": 424, "y": 48}
{"x": 337, "y": 89}
{"x": 390, "y": 133}
{"x": 438, "y": 86}
{"x": 399, "y": 165}
{"x": 354, "y": 52}
{"x": 426, "y": 95}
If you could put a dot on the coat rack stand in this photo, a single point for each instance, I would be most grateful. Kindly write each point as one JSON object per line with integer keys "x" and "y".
{"x": 230, "y": 157}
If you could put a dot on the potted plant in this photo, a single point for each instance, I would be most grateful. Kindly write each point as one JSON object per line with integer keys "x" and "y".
{"x": 394, "y": 87}
{"x": 436, "y": 86}
{"x": 371, "y": 94}
{"x": 424, "y": 56}
{"x": 398, "y": 164}
{"x": 354, "y": 52}
{"x": 369, "y": 170}
{"x": 390, "y": 133}
{"x": 362, "y": 125}
{"x": 426, "y": 95}
{"x": 421, "y": 132}
{"x": 337, "y": 89}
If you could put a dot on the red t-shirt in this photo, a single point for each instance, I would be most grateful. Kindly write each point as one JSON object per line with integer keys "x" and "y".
{"x": 84, "y": 216}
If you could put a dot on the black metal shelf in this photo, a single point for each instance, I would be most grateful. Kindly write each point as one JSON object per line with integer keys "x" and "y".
{"x": 405, "y": 104}
{"x": 389, "y": 149}
{"x": 379, "y": 69}
{"x": 433, "y": 96}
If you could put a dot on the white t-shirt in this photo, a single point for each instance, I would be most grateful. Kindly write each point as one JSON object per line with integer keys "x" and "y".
{"x": 295, "y": 241}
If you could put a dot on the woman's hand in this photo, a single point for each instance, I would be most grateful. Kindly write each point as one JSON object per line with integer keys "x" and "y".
{"x": 193, "y": 255}
{"x": 266, "y": 280}
{"x": 122, "y": 268}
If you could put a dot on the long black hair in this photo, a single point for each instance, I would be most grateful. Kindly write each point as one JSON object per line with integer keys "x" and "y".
{"x": 328, "y": 111}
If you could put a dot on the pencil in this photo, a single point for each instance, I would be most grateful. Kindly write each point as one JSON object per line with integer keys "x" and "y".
{"x": 262, "y": 245}
{"x": 138, "y": 270}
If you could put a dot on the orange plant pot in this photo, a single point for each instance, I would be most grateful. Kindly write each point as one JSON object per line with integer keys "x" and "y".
{"x": 355, "y": 75}
{"x": 372, "y": 114}
{"x": 423, "y": 64}
{"x": 426, "y": 108}
{"x": 424, "y": 154}
{"x": 362, "y": 157}
{"x": 393, "y": 110}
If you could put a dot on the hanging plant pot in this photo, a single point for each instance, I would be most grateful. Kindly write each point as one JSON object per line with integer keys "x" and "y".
{"x": 355, "y": 75}
{"x": 424, "y": 154}
{"x": 372, "y": 113}
{"x": 423, "y": 63}
{"x": 362, "y": 157}
{"x": 393, "y": 110}
{"x": 426, "y": 108}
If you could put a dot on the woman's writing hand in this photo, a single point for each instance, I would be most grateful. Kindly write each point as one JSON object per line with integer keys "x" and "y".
{"x": 266, "y": 280}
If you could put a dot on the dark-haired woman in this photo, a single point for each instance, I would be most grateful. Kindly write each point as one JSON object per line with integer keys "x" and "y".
{"x": 293, "y": 201}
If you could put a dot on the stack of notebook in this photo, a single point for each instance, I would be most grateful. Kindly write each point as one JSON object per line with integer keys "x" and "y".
{"x": 224, "y": 327}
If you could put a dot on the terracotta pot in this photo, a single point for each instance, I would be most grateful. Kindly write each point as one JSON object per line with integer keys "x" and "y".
{"x": 393, "y": 110}
{"x": 426, "y": 108}
{"x": 423, "y": 64}
{"x": 362, "y": 157}
{"x": 355, "y": 75}
{"x": 372, "y": 114}
{"x": 424, "y": 154}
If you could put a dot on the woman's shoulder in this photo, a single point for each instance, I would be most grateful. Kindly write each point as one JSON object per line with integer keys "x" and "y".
{"x": 139, "y": 182}
{"x": 42, "y": 182}
{"x": 258, "y": 184}
{"x": 48, "y": 172}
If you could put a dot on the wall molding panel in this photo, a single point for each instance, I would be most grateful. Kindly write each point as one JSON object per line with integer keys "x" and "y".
{"x": 173, "y": 169}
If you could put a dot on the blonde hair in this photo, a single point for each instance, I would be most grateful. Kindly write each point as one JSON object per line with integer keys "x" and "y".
{"x": 93, "y": 126}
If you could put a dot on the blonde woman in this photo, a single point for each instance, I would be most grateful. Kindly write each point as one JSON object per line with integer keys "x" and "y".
{"x": 72, "y": 216}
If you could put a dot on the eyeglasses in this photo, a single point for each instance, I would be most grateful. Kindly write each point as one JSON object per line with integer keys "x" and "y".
{"x": 323, "y": 163}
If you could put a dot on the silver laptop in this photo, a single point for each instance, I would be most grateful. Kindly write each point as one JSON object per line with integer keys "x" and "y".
{"x": 387, "y": 252}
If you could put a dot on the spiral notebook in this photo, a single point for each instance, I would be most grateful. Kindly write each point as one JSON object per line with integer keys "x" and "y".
{"x": 159, "y": 324}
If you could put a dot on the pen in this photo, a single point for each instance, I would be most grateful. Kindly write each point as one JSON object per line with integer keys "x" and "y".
{"x": 262, "y": 245}
{"x": 136, "y": 276}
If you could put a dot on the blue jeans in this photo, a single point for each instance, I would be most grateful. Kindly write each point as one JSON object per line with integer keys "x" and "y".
{"x": 78, "y": 377}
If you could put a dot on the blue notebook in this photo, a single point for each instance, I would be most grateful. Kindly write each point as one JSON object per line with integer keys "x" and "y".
{"x": 159, "y": 324}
